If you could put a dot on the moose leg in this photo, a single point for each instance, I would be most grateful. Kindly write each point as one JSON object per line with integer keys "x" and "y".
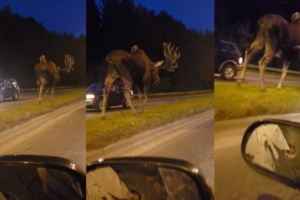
{"x": 127, "y": 91}
{"x": 140, "y": 95}
{"x": 41, "y": 84}
{"x": 52, "y": 92}
{"x": 284, "y": 73}
{"x": 40, "y": 93}
{"x": 146, "y": 91}
{"x": 249, "y": 54}
{"x": 107, "y": 88}
{"x": 52, "y": 89}
{"x": 266, "y": 59}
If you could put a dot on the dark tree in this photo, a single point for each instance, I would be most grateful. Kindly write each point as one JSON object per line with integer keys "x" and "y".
{"x": 23, "y": 40}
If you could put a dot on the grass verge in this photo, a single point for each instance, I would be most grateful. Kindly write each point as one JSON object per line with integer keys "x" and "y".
{"x": 30, "y": 109}
{"x": 117, "y": 126}
{"x": 248, "y": 100}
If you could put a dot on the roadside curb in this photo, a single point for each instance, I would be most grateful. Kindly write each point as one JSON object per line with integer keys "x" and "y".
{"x": 57, "y": 88}
{"x": 172, "y": 94}
{"x": 200, "y": 92}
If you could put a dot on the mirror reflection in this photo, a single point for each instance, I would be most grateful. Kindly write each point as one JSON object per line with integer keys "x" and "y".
{"x": 275, "y": 147}
{"x": 136, "y": 182}
{"x": 30, "y": 182}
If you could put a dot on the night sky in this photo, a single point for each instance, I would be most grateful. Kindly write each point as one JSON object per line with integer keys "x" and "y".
{"x": 196, "y": 14}
{"x": 56, "y": 15}
{"x": 70, "y": 15}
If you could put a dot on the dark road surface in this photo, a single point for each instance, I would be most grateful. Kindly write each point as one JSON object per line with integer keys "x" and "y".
{"x": 61, "y": 133}
{"x": 190, "y": 139}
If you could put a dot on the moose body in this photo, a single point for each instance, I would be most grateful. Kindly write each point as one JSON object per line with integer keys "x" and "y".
{"x": 275, "y": 34}
{"x": 48, "y": 73}
{"x": 136, "y": 68}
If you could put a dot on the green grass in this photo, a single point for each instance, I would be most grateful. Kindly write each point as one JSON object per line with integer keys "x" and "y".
{"x": 248, "y": 100}
{"x": 117, "y": 126}
{"x": 30, "y": 109}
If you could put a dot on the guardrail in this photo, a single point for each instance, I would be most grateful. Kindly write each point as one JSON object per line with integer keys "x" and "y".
{"x": 200, "y": 92}
{"x": 274, "y": 69}
{"x": 56, "y": 88}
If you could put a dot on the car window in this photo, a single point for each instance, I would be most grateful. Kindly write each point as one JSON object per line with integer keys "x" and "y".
{"x": 226, "y": 47}
{"x": 93, "y": 86}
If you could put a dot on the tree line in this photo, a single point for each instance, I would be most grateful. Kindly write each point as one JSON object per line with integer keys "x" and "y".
{"x": 119, "y": 24}
{"x": 23, "y": 40}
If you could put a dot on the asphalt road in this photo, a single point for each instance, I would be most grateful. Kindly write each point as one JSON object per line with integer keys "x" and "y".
{"x": 190, "y": 139}
{"x": 61, "y": 133}
{"x": 235, "y": 180}
{"x": 24, "y": 96}
{"x": 91, "y": 113}
{"x": 271, "y": 78}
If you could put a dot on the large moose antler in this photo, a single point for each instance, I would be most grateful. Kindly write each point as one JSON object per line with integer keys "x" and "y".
{"x": 171, "y": 54}
{"x": 69, "y": 62}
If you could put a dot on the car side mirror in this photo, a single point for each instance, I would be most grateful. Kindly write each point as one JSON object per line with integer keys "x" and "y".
{"x": 40, "y": 177}
{"x": 272, "y": 147}
{"x": 143, "y": 178}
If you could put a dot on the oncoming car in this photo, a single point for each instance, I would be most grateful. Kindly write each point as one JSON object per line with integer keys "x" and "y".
{"x": 9, "y": 88}
{"x": 228, "y": 59}
{"x": 94, "y": 96}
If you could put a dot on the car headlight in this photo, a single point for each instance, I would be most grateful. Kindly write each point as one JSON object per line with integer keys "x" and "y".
{"x": 90, "y": 96}
{"x": 240, "y": 60}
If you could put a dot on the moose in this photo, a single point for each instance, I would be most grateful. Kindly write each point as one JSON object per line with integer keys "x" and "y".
{"x": 136, "y": 68}
{"x": 275, "y": 34}
{"x": 48, "y": 73}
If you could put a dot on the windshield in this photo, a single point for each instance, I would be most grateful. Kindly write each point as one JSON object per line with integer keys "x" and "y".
{"x": 228, "y": 47}
{"x": 95, "y": 86}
